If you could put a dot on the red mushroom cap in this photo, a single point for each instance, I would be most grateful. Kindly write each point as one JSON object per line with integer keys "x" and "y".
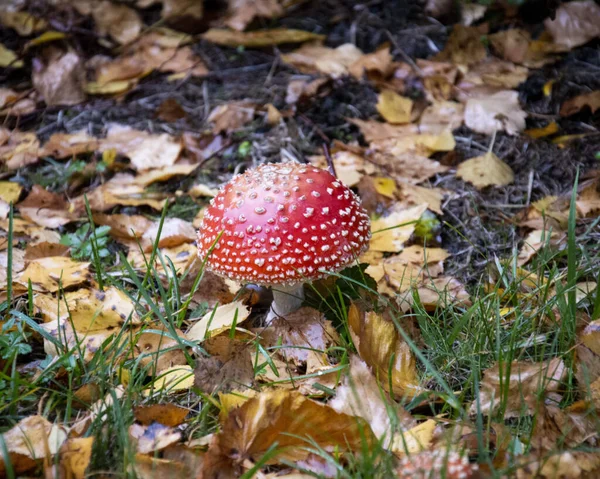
{"x": 283, "y": 223}
{"x": 436, "y": 464}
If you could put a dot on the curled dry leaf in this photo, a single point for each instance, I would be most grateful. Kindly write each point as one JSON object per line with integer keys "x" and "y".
{"x": 485, "y": 170}
{"x": 535, "y": 241}
{"x": 242, "y": 12}
{"x": 75, "y": 454}
{"x": 575, "y": 23}
{"x": 498, "y": 112}
{"x": 32, "y": 439}
{"x": 166, "y": 414}
{"x": 59, "y": 77}
{"x": 380, "y": 345}
{"x": 314, "y": 58}
{"x": 173, "y": 232}
{"x": 259, "y": 38}
{"x": 360, "y": 395}
{"x": 153, "y": 438}
{"x": 218, "y": 320}
{"x": 35, "y": 233}
{"x": 393, "y": 107}
{"x": 518, "y": 387}
{"x": 18, "y": 265}
{"x": 302, "y": 337}
{"x": 119, "y": 21}
{"x": 290, "y": 420}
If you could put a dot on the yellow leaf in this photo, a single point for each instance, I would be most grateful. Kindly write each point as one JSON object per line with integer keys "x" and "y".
{"x": 167, "y": 414}
{"x": 109, "y": 156}
{"x": 46, "y": 37}
{"x": 75, "y": 455}
{"x": 8, "y": 58}
{"x": 393, "y": 107}
{"x": 24, "y": 23}
{"x": 109, "y": 88}
{"x": 547, "y": 130}
{"x": 172, "y": 380}
{"x": 219, "y": 320}
{"x": 9, "y": 191}
{"x": 385, "y": 186}
{"x": 414, "y": 440}
{"x": 48, "y": 274}
{"x": 392, "y": 231}
{"x": 547, "y": 89}
{"x": 485, "y": 170}
{"x": 259, "y": 38}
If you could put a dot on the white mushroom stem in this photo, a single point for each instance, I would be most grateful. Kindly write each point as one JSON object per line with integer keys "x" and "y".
{"x": 286, "y": 299}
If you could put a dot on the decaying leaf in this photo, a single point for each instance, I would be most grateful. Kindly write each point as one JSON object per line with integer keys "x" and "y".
{"x": 485, "y": 170}
{"x": 119, "y": 21}
{"x": 23, "y": 22}
{"x": 498, "y": 112}
{"x": 392, "y": 231}
{"x": 231, "y": 116}
{"x": 59, "y": 77}
{"x": 535, "y": 241}
{"x": 381, "y": 346}
{"x": 334, "y": 62}
{"x": 173, "y": 232}
{"x": 172, "y": 380}
{"x": 242, "y": 12}
{"x": 259, "y": 38}
{"x": 51, "y": 274}
{"x": 32, "y": 439}
{"x": 65, "y": 145}
{"x": 464, "y": 46}
{"x": 284, "y": 417}
{"x": 218, "y": 320}
{"x": 45, "y": 208}
{"x": 575, "y": 23}
{"x": 166, "y": 414}
{"x": 75, "y": 454}
{"x": 518, "y": 387}
{"x": 18, "y": 149}
{"x": 393, "y": 107}
{"x": 8, "y": 58}
{"x": 153, "y": 438}
{"x": 576, "y": 104}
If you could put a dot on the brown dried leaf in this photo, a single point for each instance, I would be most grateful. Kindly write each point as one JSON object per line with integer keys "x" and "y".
{"x": 242, "y": 12}
{"x": 231, "y": 116}
{"x": 380, "y": 345}
{"x": 424, "y": 144}
{"x": 152, "y": 438}
{"x": 44, "y": 250}
{"x": 119, "y": 21}
{"x": 166, "y": 414}
{"x": 441, "y": 116}
{"x": 124, "y": 228}
{"x": 535, "y": 241}
{"x": 518, "y": 386}
{"x": 173, "y": 232}
{"x": 287, "y": 418}
{"x": 575, "y": 23}
{"x": 18, "y": 149}
{"x": 259, "y": 38}
{"x": 441, "y": 292}
{"x": 464, "y": 46}
{"x": 33, "y": 438}
{"x": 145, "y": 150}
{"x": 315, "y": 58}
{"x": 158, "y": 350}
{"x": 45, "y": 208}
{"x": 498, "y": 112}
{"x": 576, "y": 104}
{"x": 378, "y": 63}
{"x": 75, "y": 454}
{"x": 485, "y": 170}
{"x": 183, "y": 258}
{"x": 59, "y": 77}
{"x": 64, "y": 145}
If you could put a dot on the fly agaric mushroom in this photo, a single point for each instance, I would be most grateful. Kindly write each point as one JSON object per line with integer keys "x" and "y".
{"x": 280, "y": 225}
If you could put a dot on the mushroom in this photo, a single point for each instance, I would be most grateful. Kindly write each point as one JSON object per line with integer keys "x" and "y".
{"x": 281, "y": 225}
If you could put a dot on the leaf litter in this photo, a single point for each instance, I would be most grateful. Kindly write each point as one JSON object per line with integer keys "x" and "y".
{"x": 312, "y": 387}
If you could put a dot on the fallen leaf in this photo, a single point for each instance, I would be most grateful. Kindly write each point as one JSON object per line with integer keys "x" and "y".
{"x": 24, "y": 23}
{"x": 259, "y": 38}
{"x": 183, "y": 257}
{"x": 518, "y": 387}
{"x": 119, "y": 21}
{"x": 46, "y": 37}
{"x": 512, "y": 44}
{"x": 535, "y": 241}
{"x": 163, "y": 174}
{"x": 334, "y": 62}
{"x": 498, "y": 112}
{"x": 170, "y": 110}
{"x": 33, "y": 439}
{"x": 150, "y": 467}
{"x": 576, "y": 104}
{"x": 124, "y": 228}
{"x": 75, "y": 454}
{"x": 298, "y": 90}
{"x": 167, "y": 414}
{"x": 575, "y": 23}
{"x": 441, "y": 116}
{"x": 242, "y": 12}
{"x": 349, "y": 167}
{"x": 392, "y": 231}
{"x": 172, "y": 380}
{"x": 412, "y": 265}
{"x": 45, "y": 208}
{"x": 20, "y": 149}
{"x": 18, "y": 265}
{"x": 303, "y": 337}
{"x": 153, "y": 438}
{"x": 51, "y": 274}
{"x": 231, "y": 116}
{"x": 464, "y": 46}
{"x": 548, "y": 130}
{"x": 173, "y": 232}
{"x": 59, "y": 77}
{"x": 412, "y": 195}
{"x": 218, "y": 320}
{"x": 158, "y": 349}
{"x": 36, "y": 233}
{"x": 393, "y": 107}
{"x": 273, "y": 115}
{"x": 381, "y": 347}
{"x": 379, "y": 63}
{"x": 9, "y": 191}
{"x": 360, "y": 395}
{"x": 485, "y": 170}
{"x": 65, "y": 145}
{"x": 145, "y": 150}
{"x": 8, "y": 58}
{"x": 288, "y": 419}
{"x": 180, "y": 8}
{"x": 424, "y": 144}
{"x": 442, "y": 292}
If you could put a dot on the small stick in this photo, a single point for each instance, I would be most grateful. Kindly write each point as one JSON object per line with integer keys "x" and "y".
{"x": 330, "y": 164}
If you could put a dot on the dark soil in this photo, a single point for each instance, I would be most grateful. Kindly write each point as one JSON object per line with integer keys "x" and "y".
{"x": 477, "y": 224}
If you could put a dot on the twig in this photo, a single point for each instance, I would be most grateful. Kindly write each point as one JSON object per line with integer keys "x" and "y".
{"x": 330, "y": 164}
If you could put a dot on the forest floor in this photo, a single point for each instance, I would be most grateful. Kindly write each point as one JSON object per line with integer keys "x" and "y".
{"x": 465, "y": 340}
